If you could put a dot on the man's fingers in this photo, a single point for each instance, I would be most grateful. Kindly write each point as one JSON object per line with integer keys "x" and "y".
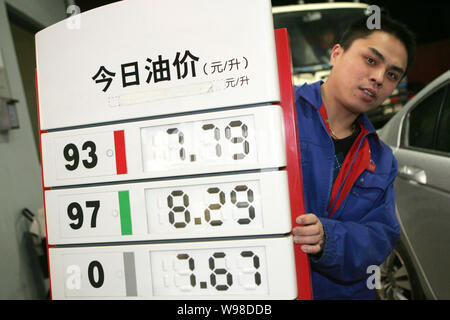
{"x": 306, "y": 231}
{"x": 311, "y": 249}
{"x": 307, "y": 218}
{"x": 307, "y": 239}
{"x": 309, "y": 234}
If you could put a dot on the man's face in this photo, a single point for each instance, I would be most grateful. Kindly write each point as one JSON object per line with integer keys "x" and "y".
{"x": 368, "y": 71}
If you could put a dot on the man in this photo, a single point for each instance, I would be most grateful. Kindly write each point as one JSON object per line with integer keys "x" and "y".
{"x": 348, "y": 173}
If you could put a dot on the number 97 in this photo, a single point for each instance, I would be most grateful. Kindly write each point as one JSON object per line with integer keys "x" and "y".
{"x": 75, "y": 213}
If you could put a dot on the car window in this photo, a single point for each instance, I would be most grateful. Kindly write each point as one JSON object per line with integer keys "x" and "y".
{"x": 443, "y": 136}
{"x": 423, "y": 121}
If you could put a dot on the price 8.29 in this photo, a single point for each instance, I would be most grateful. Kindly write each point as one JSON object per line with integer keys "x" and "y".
{"x": 177, "y": 203}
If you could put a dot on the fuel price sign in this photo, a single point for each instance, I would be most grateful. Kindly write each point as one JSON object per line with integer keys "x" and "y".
{"x": 167, "y": 154}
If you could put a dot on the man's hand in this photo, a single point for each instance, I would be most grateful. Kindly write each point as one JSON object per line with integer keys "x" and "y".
{"x": 310, "y": 234}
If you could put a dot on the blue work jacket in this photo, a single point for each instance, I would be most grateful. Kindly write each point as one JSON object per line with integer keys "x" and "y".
{"x": 364, "y": 229}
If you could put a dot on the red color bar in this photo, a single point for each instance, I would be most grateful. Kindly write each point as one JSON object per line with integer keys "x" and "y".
{"x": 121, "y": 158}
{"x": 292, "y": 157}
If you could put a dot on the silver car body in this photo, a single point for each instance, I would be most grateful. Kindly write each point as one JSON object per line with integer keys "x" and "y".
{"x": 422, "y": 190}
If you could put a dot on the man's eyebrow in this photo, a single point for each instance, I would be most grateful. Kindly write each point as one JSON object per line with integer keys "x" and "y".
{"x": 380, "y": 55}
{"x": 377, "y": 53}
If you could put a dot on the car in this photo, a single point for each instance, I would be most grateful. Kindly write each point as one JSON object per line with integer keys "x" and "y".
{"x": 419, "y": 135}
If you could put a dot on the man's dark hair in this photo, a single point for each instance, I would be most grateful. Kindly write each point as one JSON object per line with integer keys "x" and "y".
{"x": 358, "y": 29}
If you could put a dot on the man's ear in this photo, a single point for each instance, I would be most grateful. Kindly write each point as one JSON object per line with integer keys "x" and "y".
{"x": 336, "y": 52}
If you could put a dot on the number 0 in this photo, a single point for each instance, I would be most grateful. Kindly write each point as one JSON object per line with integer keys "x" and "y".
{"x": 95, "y": 265}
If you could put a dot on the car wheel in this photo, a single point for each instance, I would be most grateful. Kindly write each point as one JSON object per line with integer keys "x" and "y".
{"x": 399, "y": 280}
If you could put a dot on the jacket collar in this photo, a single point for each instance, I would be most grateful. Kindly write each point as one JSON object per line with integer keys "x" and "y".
{"x": 311, "y": 93}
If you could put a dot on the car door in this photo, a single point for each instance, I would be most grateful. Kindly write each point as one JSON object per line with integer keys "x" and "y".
{"x": 423, "y": 187}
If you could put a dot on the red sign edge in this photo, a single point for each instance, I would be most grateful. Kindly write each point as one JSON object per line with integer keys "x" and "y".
{"x": 293, "y": 166}
{"x": 43, "y": 185}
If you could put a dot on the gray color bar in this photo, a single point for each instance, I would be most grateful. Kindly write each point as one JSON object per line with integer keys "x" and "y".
{"x": 130, "y": 274}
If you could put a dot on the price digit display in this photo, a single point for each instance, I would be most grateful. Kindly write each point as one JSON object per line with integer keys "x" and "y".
{"x": 180, "y": 209}
{"x": 226, "y": 140}
{"x": 244, "y": 204}
{"x": 216, "y": 147}
{"x": 214, "y": 207}
{"x": 250, "y": 255}
{"x": 210, "y": 272}
{"x": 227, "y": 276}
{"x": 193, "y": 208}
{"x": 239, "y": 139}
{"x": 182, "y": 146}
{"x": 187, "y": 269}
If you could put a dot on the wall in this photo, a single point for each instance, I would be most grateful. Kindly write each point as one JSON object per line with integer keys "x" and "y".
{"x": 431, "y": 61}
{"x": 20, "y": 172}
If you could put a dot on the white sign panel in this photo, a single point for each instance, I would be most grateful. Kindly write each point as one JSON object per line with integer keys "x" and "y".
{"x": 240, "y": 269}
{"x": 225, "y": 205}
{"x": 163, "y": 153}
{"x": 240, "y": 139}
{"x": 127, "y": 61}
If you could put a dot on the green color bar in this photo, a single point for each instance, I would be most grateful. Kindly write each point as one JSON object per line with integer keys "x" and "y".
{"x": 125, "y": 212}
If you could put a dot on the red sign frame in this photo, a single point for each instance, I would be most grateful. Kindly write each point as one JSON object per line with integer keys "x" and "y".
{"x": 293, "y": 158}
